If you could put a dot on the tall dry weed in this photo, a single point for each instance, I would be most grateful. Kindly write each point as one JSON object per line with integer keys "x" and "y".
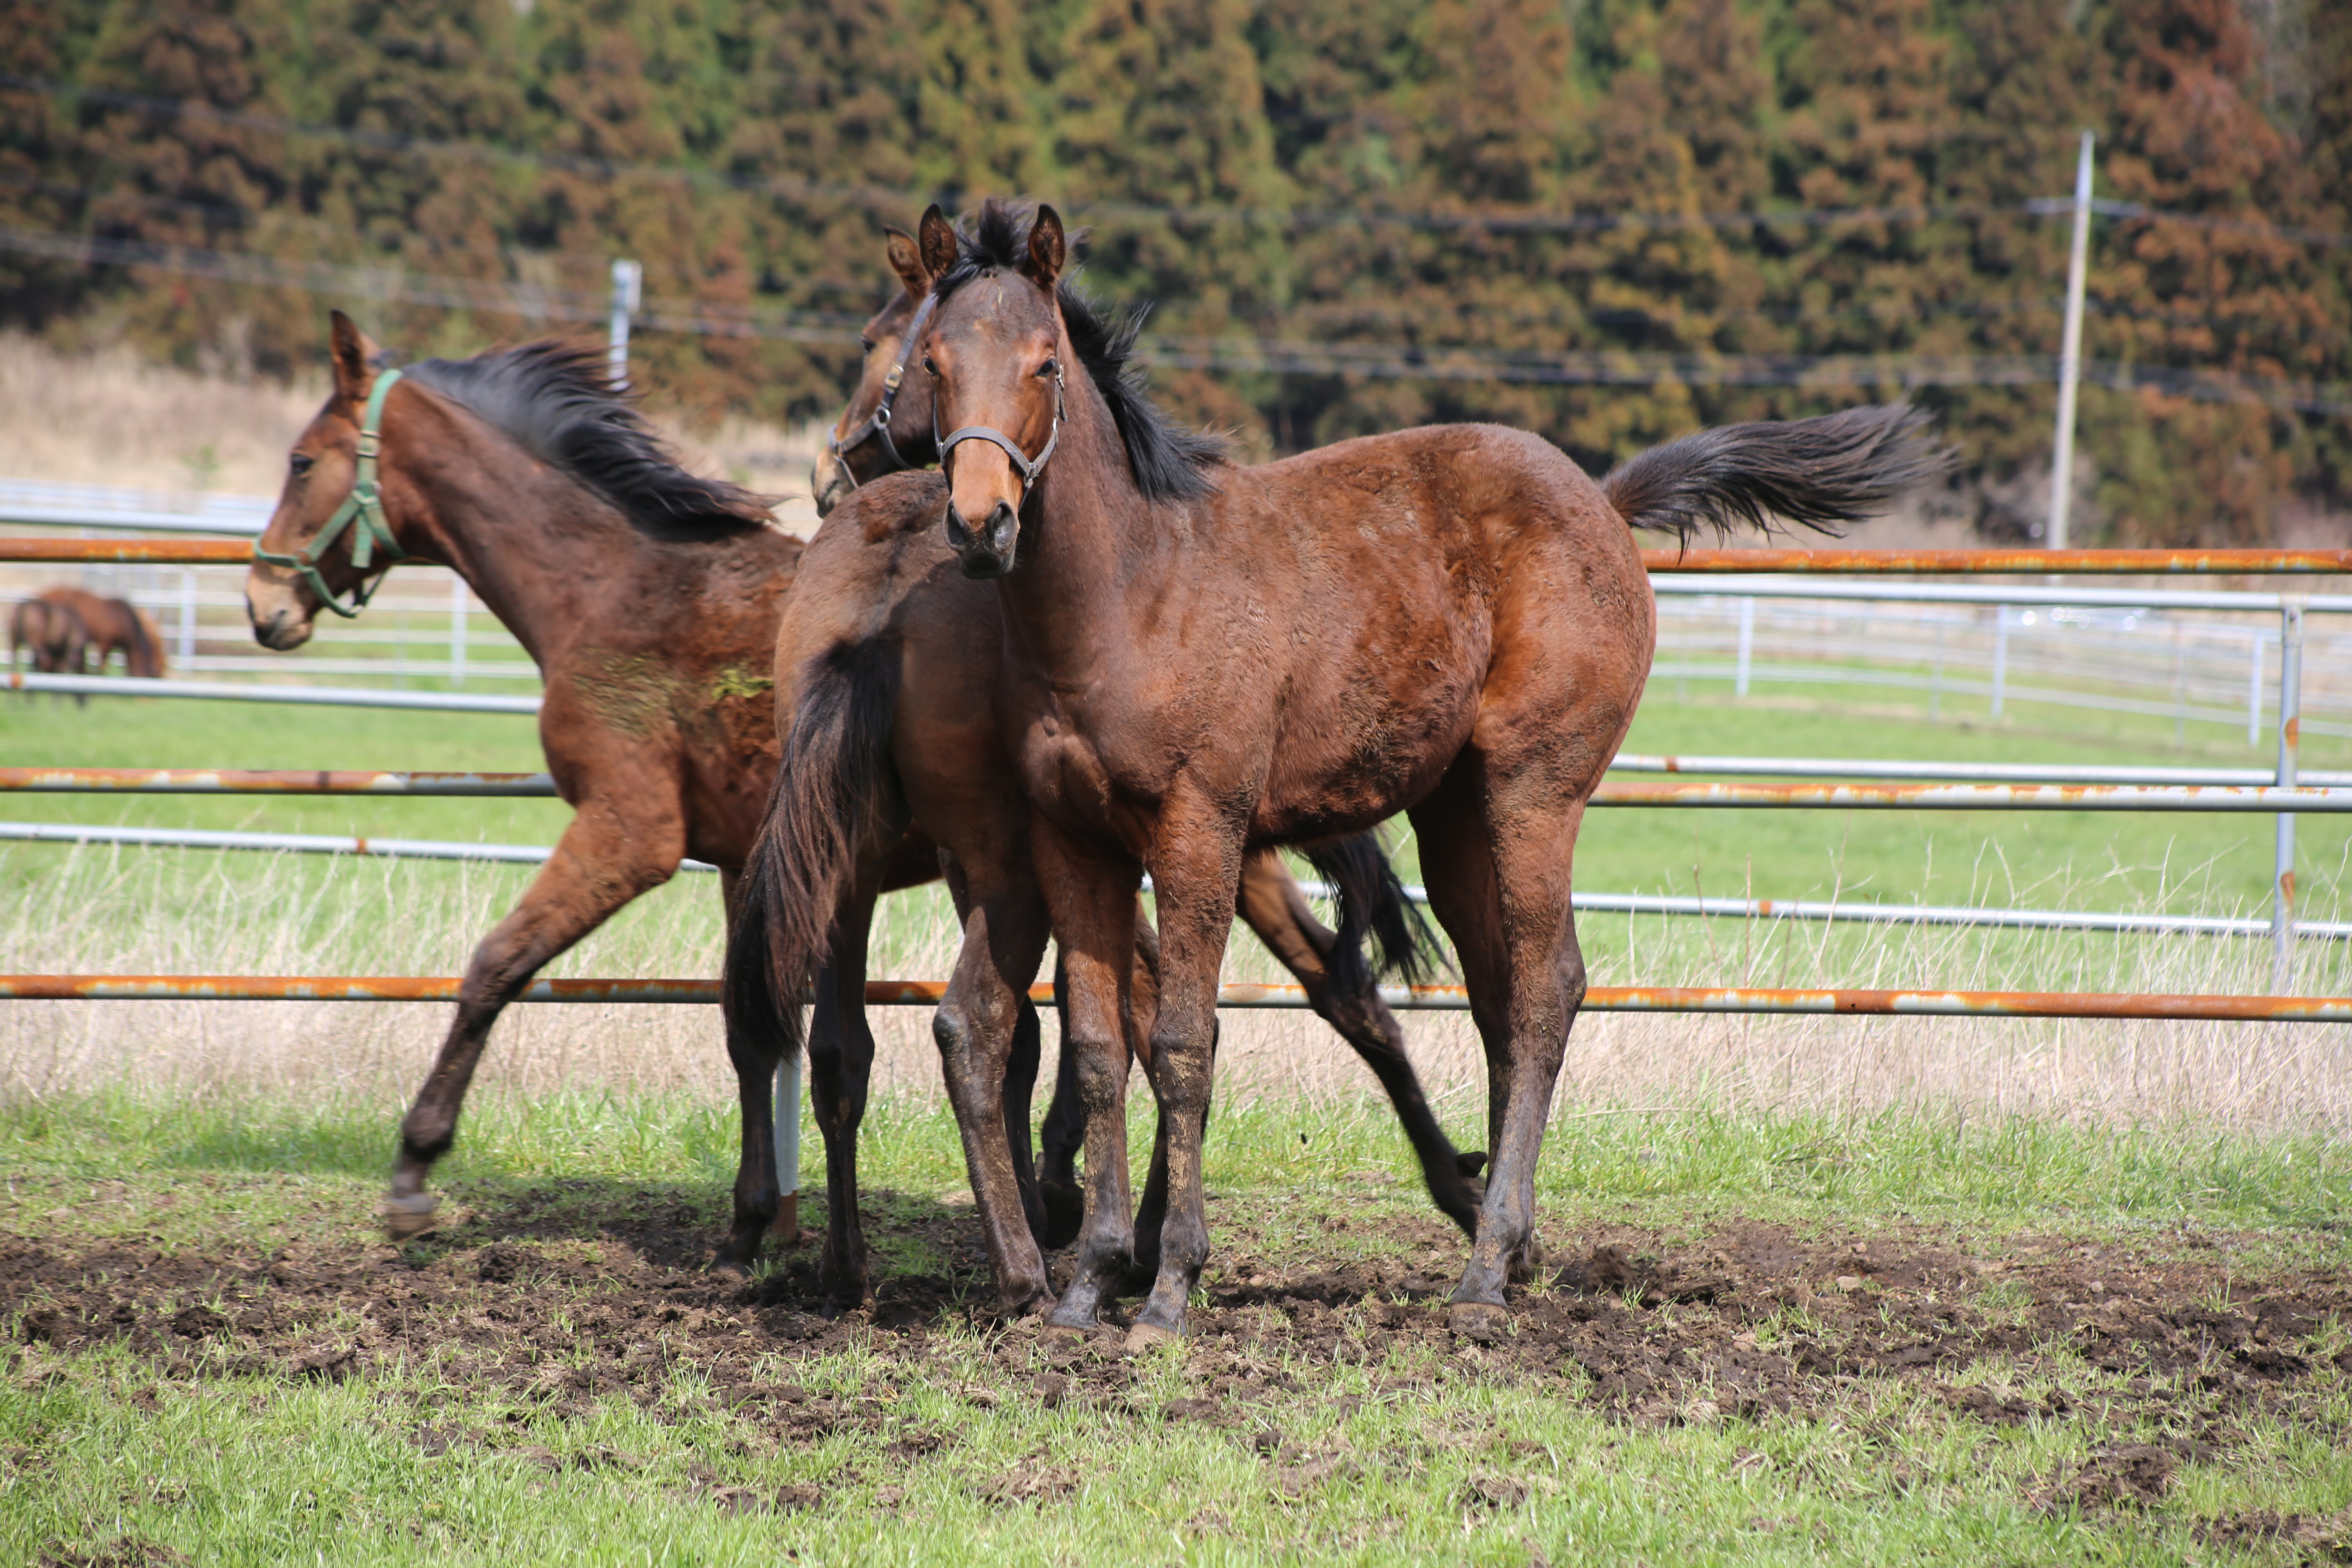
{"x": 112, "y": 910}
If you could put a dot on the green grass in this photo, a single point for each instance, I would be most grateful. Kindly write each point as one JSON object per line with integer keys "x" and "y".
{"x": 947, "y": 1451}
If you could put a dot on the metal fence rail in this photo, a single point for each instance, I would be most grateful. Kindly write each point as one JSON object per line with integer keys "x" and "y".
{"x": 1804, "y": 909}
{"x": 1419, "y": 998}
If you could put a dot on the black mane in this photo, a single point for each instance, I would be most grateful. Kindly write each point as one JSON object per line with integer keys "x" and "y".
{"x": 1170, "y": 463}
{"x": 553, "y": 399}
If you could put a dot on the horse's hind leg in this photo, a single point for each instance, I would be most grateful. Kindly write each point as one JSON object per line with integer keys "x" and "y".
{"x": 601, "y": 863}
{"x": 1496, "y": 861}
{"x": 841, "y": 1070}
{"x": 977, "y": 1027}
{"x": 1063, "y": 1134}
{"x": 1274, "y": 908}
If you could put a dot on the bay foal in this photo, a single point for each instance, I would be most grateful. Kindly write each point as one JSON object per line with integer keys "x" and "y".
{"x": 1202, "y": 659}
{"x": 886, "y": 427}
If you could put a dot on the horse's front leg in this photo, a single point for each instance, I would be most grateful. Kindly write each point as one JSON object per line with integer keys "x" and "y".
{"x": 989, "y": 1067}
{"x": 602, "y": 861}
{"x": 1196, "y": 870}
{"x": 1092, "y": 897}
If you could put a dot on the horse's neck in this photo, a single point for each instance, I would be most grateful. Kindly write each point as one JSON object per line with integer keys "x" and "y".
{"x": 556, "y": 564}
{"x": 1097, "y": 544}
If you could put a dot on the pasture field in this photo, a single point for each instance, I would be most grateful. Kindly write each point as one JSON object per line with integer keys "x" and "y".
{"x": 1815, "y": 1290}
{"x": 1757, "y": 1339}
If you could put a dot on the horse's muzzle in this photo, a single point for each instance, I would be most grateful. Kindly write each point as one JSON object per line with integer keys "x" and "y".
{"x": 828, "y": 481}
{"x": 281, "y": 630}
{"x": 986, "y": 550}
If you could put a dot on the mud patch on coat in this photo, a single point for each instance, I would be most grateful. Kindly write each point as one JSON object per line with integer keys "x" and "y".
{"x": 630, "y": 693}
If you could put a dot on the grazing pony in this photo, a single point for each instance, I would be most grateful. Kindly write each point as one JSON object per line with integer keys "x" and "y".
{"x": 52, "y": 635}
{"x": 886, "y": 428}
{"x": 1202, "y": 659}
{"x": 115, "y": 626}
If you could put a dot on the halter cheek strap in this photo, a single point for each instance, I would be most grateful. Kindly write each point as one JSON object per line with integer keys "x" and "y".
{"x": 1027, "y": 467}
{"x": 364, "y": 506}
{"x": 877, "y": 424}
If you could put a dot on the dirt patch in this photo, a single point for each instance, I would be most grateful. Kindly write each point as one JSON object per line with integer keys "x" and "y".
{"x": 522, "y": 1300}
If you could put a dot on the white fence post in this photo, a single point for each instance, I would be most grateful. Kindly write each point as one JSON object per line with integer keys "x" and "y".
{"x": 628, "y": 279}
{"x": 2289, "y": 742}
{"x": 788, "y": 1145}
{"x": 2069, "y": 357}
{"x": 1747, "y": 644}
{"x": 456, "y": 629}
{"x": 2254, "y": 694}
{"x": 187, "y": 615}
{"x": 2000, "y": 655}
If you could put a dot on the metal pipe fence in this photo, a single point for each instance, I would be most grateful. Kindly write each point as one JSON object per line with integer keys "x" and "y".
{"x": 1742, "y": 577}
{"x": 1415, "y": 998}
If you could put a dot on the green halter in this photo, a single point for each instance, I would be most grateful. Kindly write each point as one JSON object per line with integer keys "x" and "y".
{"x": 365, "y": 504}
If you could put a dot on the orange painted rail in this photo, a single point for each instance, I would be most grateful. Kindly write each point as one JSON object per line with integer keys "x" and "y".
{"x": 1448, "y": 998}
{"x": 130, "y": 552}
{"x": 1893, "y": 562}
{"x": 2101, "y": 562}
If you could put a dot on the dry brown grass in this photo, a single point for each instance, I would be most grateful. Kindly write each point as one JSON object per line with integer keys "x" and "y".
{"x": 112, "y": 418}
{"x": 135, "y": 911}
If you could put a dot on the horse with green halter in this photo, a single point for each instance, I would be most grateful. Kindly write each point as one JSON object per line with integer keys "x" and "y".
{"x": 363, "y": 506}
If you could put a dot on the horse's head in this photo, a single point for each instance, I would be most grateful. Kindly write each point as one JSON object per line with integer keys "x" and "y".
{"x": 887, "y": 425}
{"x": 993, "y": 352}
{"x": 294, "y": 570}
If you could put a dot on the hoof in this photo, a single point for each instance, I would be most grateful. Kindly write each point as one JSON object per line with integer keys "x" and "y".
{"x": 1145, "y": 1338}
{"x": 732, "y": 1267}
{"x": 407, "y": 1218}
{"x": 1476, "y": 1320}
{"x": 1071, "y": 1314}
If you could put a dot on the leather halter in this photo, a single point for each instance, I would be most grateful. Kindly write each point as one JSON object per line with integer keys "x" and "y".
{"x": 365, "y": 505}
{"x": 1027, "y": 467}
{"x": 877, "y": 424}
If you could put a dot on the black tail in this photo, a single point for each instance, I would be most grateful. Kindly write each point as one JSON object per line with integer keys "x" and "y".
{"x": 1838, "y": 469}
{"x": 1372, "y": 902}
{"x": 833, "y": 780}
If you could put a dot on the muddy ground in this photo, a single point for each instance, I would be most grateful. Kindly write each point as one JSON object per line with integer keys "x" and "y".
{"x": 545, "y": 1307}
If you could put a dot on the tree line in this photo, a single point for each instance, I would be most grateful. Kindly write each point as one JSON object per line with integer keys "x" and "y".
{"x": 1607, "y": 220}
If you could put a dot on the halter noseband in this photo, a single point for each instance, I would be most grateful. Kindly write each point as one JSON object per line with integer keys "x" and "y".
{"x": 877, "y": 424}
{"x": 364, "y": 505}
{"x": 1027, "y": 467}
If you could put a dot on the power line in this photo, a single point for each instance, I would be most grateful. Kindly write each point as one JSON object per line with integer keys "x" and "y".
{"x": 1505, "y": 222}
{"x": 1377, "y": 360}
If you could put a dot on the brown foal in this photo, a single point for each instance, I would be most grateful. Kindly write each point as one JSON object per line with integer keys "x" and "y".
{"x": 1201, "y": 659}
{"x": 886, "y": 428}
{"x": 649, "y": 599}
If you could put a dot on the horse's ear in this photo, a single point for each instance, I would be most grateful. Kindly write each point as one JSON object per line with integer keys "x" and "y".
{"x": 352, "y": 353}
{"x": 935, "y": 241}
{"x": 1048, "y": 250}
{"x": 906, "y": 261}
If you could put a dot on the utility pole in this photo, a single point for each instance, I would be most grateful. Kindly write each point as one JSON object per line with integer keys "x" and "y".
{"x": 2069, "y": 357}
{"x": 628, "y": 279}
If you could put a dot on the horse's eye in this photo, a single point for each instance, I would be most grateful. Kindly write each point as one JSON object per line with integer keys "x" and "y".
{"x": 1051, "y": 367}
{"x": 301, "y": 462}
{"x": 865, "y": 346}
{"x": 930, "y": 369}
